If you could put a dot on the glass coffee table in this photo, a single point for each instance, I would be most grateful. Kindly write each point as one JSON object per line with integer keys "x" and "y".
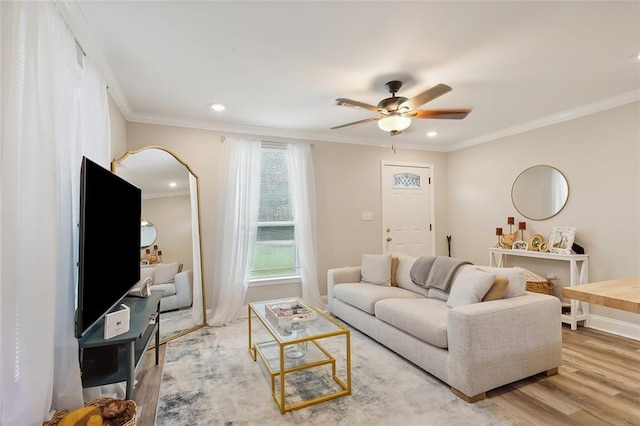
{"x": 292, "y": 347}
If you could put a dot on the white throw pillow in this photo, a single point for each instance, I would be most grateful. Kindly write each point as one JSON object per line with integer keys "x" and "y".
{"x": 403, "y": 273}
{"x": 469, "y": 287}
{"x": 145, "y": 273}
{"x": 376, "y": 269}
{"x": 517, "y": 279}
{"x": 165, "y": 272}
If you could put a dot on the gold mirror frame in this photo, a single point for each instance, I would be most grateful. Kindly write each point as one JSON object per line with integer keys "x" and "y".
{"x": 114, "y": 168}
{"x": 540, "y": 192}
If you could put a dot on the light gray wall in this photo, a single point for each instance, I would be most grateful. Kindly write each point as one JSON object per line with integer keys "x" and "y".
{"x": 347, "y": 183}
{"x": 172, "y": 218}
{"x": 117, "y": 130}
{"x": 600, "y": 156}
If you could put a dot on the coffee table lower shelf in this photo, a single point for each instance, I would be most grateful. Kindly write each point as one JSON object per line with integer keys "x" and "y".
{"x": 273, "y": 356}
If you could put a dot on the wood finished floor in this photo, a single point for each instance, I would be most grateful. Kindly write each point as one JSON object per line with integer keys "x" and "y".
{"x": 598, "y": 383}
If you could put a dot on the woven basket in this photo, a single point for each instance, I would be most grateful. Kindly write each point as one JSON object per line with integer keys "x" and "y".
{"x": 127, "y": 418}
{"x": 543, "y": 287}
{"x": 536, "y": 283}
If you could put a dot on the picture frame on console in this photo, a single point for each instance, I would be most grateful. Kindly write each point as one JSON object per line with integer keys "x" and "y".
{"x": 561, "y": 239}
{"x": 520, "y": 245}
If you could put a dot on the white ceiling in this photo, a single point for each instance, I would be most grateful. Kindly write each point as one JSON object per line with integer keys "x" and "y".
{"x": 279, "y": 66}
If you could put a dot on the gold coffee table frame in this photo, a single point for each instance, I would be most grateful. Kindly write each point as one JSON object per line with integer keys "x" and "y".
{"x": 272, "y": 352}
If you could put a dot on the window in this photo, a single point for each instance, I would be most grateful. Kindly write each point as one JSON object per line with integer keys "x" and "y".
{"x": 275, "y": 253}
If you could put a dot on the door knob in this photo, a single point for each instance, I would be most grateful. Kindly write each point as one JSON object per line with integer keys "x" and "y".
{"x": 389, "y": 239}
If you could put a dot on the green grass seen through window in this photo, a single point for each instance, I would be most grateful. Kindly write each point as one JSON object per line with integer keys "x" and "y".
{"x": 273, "y": 260}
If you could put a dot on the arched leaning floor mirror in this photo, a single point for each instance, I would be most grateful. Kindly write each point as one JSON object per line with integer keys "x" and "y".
{"x": 170, "y": 201}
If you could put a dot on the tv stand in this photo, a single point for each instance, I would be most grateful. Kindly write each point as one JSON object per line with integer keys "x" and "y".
{"x": 119, "y": 357}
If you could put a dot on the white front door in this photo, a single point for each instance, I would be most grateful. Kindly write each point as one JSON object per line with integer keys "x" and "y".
{"x": 407, "y": 209}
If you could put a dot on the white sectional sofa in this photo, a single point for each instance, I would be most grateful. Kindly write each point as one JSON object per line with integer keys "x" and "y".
{"x": 176, "y": 284}
{"x": 470, "y": 344}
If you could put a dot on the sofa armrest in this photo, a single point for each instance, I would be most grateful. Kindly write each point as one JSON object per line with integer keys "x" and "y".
{"x": 498, "y": 342}
{"x": 347, "y": 274}
{"x": 184, "y": 288}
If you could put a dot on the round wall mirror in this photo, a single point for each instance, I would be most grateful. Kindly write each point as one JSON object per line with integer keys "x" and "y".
{"x": 540, "y": 192}
{"x": 148, "y": 233}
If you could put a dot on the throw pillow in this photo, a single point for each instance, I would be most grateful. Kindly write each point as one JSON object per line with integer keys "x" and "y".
{"x": 394, "y": 271}
{"x": 376, "y": 269}
{"x": 144, "y": 274}
{"x": 470, "y": 286}
{"x": 498, "y": 290}
{"x": 166, "y": 272}
{"x": 517, "y": 279}
{"x": 403, "y": 273}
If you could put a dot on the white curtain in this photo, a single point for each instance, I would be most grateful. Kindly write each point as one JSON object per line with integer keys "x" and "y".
{"x": 53, "y": 111}
{"x": 197, "y": 314}
{"x": 303, "y": 200}
{"x": 237, "y": 225}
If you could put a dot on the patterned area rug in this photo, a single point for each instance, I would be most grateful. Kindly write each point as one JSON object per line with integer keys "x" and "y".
{"x": 209, "y": 378}
{"x": 173, "y": 322}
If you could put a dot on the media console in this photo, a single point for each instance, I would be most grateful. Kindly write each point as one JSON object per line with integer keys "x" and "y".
{"x": 105, "y": 361}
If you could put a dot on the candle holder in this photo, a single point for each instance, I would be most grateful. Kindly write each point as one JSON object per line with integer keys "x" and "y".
{"x": 522, "y": 226}
{"x": 510, "y": 222}
{"x": 499, "y": 235}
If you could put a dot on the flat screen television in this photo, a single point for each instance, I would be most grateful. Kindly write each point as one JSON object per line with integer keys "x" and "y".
{"x": 109, "y": 241}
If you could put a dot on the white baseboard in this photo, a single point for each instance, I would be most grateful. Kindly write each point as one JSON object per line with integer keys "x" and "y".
{"x": 613, "y": 326}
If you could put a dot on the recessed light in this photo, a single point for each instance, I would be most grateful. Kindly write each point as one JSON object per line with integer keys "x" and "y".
{"x": 432, "y": 134}
{"x": 217, "y": 107}
{"x": 173, "y": 184}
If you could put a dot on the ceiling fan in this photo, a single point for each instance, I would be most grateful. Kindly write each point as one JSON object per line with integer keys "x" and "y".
{"x": 396, "y": 112}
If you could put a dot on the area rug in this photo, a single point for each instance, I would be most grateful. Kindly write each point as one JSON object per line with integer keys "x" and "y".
{"x": 210, "y": 378}
{"x": 173, "y": 322}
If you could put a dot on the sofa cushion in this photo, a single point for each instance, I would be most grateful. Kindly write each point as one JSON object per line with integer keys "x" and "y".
{"x": 166, "y": 272}
{"x": 376, "y": 269}
{"x": 424, "y": 319}
{"x": 498, "y": 290}
{"x": 168, "y": 289}
{"x": 517, "y": 279}
{"x": 364, "y": 296}
{"x": 403, "y": 274}
{"x": 436, "y": 293}
{"x": 470, "y": 286}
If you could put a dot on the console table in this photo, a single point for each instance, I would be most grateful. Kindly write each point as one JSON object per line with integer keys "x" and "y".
{"x": 129, "y": 347}
{"x": 578, "y": 275}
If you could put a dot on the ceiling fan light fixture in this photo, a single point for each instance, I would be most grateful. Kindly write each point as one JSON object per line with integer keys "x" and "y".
{"x": 394, "y": 123}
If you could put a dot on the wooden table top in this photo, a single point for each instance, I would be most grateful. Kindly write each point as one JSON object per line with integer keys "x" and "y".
{"x": 621, "y": 294}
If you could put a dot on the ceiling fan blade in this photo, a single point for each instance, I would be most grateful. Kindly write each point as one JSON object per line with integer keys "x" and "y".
{"x": 454, "y": 114}
{"x": 424, "y": 97}
{"x": 366, "y": 120}
{"x": 356, "y": 104}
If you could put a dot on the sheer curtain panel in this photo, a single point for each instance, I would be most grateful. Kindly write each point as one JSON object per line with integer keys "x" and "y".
{"x": 237, "y": 225}
{"x": 52, "y": 112}
{"x": 303, "y": 197}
